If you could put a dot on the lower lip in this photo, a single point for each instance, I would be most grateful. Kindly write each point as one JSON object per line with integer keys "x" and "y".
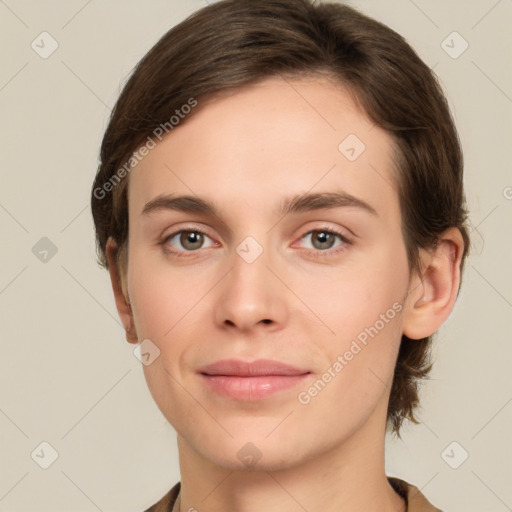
{"x": 252, "y": 388}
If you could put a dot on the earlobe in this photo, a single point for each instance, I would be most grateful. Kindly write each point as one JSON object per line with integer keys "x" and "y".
{"x": 432, "y": 295}
{"x": 121, "y": 297}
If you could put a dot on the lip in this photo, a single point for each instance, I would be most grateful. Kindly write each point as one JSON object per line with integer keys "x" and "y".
{"x": 258, "y": 368}
{"x": 250, "y": 381}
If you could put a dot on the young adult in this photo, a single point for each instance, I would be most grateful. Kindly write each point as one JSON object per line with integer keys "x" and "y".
{"x": 280, "y": 206}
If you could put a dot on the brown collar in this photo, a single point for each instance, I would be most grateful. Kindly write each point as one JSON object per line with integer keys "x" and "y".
{"x": 416, "y": 501}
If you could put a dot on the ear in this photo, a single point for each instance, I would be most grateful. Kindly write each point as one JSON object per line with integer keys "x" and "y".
{"x": 432, "y": 294}
{"x": 122, "y": 299}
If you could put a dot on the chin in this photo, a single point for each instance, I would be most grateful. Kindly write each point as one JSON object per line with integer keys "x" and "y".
{"x": 256, "y": 452}
{"x": 263, "y": 460}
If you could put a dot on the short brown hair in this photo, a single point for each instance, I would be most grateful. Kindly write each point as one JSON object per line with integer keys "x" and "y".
{"x": 233, "y": 43}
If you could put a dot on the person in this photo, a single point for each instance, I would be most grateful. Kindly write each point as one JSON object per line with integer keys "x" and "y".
{"x": 280, "y": 206}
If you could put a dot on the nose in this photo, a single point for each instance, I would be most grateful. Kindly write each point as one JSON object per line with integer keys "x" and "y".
{"x": 250, "y": 296}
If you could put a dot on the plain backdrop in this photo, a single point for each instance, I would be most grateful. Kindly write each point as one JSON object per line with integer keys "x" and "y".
{"x": 71, "y": 388}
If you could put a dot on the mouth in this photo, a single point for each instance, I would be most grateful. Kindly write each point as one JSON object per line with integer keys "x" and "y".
{"x": 253, "y": 381}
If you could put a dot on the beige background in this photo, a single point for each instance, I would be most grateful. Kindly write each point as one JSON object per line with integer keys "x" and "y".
{"x": 68, "y": 378}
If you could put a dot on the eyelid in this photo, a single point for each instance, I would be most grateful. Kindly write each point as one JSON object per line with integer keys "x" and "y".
{"x": 330, "y": 229}
{"x": 344, "y": 233}
{"x": 175, "y": 231}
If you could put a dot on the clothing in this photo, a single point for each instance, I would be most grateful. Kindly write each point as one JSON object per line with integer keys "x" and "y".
{"x": 416, "y": 501}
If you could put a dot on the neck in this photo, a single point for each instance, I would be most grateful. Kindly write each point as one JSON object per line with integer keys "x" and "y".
{"x": 349, "y": 477}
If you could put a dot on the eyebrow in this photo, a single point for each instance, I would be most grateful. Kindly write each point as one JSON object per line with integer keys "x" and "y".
{"x": 296, "y": 204}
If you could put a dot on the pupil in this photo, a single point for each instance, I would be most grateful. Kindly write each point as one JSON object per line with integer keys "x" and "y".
{"x": 323, "y": 238}
{"x": 191, "y": 238}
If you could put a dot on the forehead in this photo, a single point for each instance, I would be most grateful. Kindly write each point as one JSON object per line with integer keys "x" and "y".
{"x": 261, "y": 142}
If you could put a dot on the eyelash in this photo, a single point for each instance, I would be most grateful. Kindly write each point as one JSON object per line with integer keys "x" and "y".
{"x": 315, "y": 253}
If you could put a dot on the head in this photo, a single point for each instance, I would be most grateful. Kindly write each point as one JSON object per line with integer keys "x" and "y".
{"x": 247, "y": 104}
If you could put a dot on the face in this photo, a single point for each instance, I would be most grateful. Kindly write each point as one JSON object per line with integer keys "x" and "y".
{"x": 318, "y": 285}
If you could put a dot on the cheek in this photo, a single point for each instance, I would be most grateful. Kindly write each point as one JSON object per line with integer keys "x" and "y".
{"x": 348, "y": 300}
{"x": 362, "y": 307}
{"x": 359, "y": 366}
{"x": 165, "y": 306}
{"x": 161, "y": 299}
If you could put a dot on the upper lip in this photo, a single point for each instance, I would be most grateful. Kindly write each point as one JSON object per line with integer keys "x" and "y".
{"x": 260, "y": 367}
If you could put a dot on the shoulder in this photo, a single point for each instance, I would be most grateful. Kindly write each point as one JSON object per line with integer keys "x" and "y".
{"x": 416, "y": 501}
{"x": 166, "y": 503}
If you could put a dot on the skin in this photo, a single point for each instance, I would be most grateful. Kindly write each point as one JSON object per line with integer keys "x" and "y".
{"x": 247, "y": 152}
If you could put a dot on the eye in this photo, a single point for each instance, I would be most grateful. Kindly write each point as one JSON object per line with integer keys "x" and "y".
{"x": 189, "y": 239}
{"x": 323, "y": 240}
